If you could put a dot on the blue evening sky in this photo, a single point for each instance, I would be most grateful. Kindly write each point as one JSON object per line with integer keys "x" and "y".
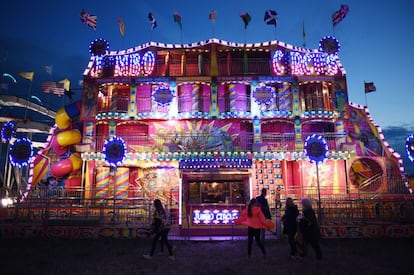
{"x": 376, "y": 39}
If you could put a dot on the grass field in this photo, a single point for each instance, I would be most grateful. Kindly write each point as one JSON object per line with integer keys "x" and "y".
{"x": 124, "y": 256}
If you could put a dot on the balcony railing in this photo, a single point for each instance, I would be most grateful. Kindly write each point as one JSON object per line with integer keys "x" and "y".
{"x": 208, "y": 142}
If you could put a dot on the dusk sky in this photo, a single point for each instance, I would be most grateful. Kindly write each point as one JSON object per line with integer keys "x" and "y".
{"x": 376, "y": 42}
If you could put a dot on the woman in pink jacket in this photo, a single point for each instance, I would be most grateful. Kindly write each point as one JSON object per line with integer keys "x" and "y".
{"x": 255, "y": 220}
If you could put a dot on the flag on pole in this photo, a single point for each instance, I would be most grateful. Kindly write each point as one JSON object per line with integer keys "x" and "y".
{"x": 303, "y": 30}
{"x": 178, "y": 19}
{"x": 48, "y": 69}
{"x": 270, "y": 17}
{"x": 27, "y": 75}
{"x": 152, "y": 20}
{"x": 212, "y": 15}
{"x": 89, "y": 19}
{"x": 65, "y": 83}
{"x": 246, "y": 18}
{"x": 121, "y": 26}
{"x": 340, "y": 14}
{"x": 51, "y": 87}
{"x": 369, "y": 87}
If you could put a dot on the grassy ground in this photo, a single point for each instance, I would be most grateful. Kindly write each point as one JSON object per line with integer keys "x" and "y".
{"x": 124, "y": 256}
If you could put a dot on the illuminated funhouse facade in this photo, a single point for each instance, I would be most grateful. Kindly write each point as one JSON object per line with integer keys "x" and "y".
{"x": 205, "y": 126}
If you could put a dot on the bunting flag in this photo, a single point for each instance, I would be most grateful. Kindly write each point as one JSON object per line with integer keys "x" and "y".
{"x": 212, "y": 15}
{"x": 121, "y": 26}
{"x": 178, "y": 19}
{"x": 369, "y": 87}
{"x": 27, "y": 75}
{"x": 339, "y": 15}
{"x": 153, "y": 22}
{"x": 270, "y": 17}
{"x": 246, "y": 18}
{"x": 51, "y": 87}
{"x": 89, "y": 19}
{"x": 65, "y": 84}
{"x": 48, "y": 69}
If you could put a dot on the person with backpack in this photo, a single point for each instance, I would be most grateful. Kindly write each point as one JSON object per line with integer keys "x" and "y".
{"x": 160, "y": 227}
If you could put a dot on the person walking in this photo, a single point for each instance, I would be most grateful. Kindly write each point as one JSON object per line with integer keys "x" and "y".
{"x": 255, "y": 220}
{"x": 160, "y": 227}
{"x": 290, "y": 225}
{"x": 309, "y": 227}
{"x": 264, "y": 206}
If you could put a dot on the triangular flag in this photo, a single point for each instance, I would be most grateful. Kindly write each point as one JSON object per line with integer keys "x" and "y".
{"x": 152, "y": 20}
{"x": 27, "y": 75}
{"x": 66, "y": 84}
{"x": 48, "y": 69}
{"x": 178, "y": 19}
{"x": 246, "y": 18}
{"x": 121, "y": 26}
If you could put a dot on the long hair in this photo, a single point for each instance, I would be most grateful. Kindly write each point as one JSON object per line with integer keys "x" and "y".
{"x": 249, "y": 208}
{"x": 158, "y": 206}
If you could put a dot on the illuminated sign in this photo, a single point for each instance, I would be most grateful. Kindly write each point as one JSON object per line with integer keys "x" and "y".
{"x": 264, "y": 95}
{"x": 131, "y": 64}
{"x": 309, "y": 63}
{"x": 216, "y": 216}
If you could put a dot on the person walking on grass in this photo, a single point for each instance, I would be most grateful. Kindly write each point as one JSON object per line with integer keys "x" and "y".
{"x": 159, "y": 230}
{"x": 309, "y": 228}
{"x": 255, "y": 220}
{"x": 290, "y": 225}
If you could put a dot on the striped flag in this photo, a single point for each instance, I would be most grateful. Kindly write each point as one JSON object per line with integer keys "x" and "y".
{"x": 48, "y": 69}
{"x": 89, "y": 19}
{"x": 50, "y": 87}
{"x": 270, "y": 17}
{"x": 152, "y": 20}
{"x": 27, "y": 75}
{"x": 246, "y": 18}
{"x": 212, "y": 15}
{"x": 178, "y": 19}
{"x": 121, "y": 26}
{"x": 339, "y": 15}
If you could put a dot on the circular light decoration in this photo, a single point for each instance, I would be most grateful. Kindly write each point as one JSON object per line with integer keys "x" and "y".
{"x": 114, "y": 151}
{"x": 99, "y": 47}
{"x": 21, "y": 152}
{"x": 8, "y": 131}
{"x": 409, "y": 147}
{"x": 316, "y": 149}
{"x": 163, "y": 96}
{"x": 329, "y": 45}
{"x": 264, "y": 95}
{"x": 148, "y": 63}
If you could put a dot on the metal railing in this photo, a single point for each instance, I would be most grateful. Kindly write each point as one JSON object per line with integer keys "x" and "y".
{"x": 199, "y": 142}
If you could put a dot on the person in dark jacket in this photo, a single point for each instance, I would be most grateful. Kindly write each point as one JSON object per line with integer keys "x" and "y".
{"x": 309, "y": 227}
{"x": 159, "y": 229}
{"x": 264, "y": 206}
{"x": 290, "y": 224}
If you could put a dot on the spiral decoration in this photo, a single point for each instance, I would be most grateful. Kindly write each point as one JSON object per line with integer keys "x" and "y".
{"x": 8, "y": 131}
{"x": 195, "y": 98}
{"x": 114, "y": 151}
{"x": 102, "y": 182}
{"x": 316, "y": 149}
{"x": 21, "y": 152}
{"x": 122, "y": 182}
{"x": 232, "y": 97}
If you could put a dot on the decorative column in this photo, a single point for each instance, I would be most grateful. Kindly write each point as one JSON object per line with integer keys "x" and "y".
{"x": 297, "y": 113}
{"x": 132, "y": 111}
{"x": 195, "y": 98}
{"x": 214, "y": 103}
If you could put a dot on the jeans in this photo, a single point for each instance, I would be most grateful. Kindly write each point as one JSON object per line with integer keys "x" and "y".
{"x": 254, "y": 233}
{"x": 163, "y": 234}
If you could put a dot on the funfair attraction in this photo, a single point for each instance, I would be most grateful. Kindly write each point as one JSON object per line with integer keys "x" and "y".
{"x": 205, "y": 126}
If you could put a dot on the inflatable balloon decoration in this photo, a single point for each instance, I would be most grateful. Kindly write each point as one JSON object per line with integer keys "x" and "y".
{"x": 114, "y": 151}
{"x": 316, "y": 149}
{"x": 21, "y": 152}
{"x": 8, "y": 131}
{"x": 409, "y": 147}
